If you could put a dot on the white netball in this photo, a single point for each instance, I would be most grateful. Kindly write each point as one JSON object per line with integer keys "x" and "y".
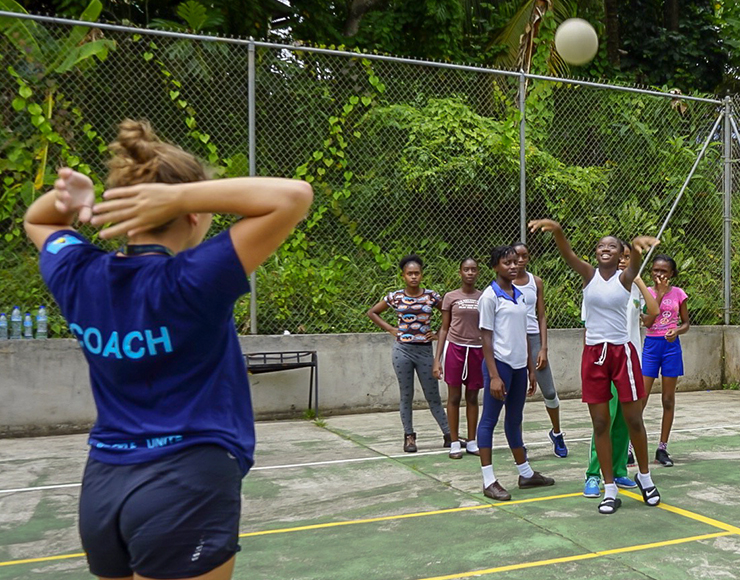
{"x": 576, "y": 41}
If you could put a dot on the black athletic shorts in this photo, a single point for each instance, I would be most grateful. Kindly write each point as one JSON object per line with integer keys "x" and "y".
{"x": 176, "y": 517}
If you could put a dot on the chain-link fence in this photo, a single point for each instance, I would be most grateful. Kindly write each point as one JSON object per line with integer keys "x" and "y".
{"x": 404, "y": 156}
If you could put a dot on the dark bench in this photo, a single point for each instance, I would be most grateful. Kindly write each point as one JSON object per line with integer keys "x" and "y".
{"x": 271, "y": 362}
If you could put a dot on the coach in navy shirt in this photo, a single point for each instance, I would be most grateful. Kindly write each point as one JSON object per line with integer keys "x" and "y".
{"x": 174, "y": 433}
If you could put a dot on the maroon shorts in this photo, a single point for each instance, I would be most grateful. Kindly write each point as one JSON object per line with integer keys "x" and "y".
{"x": 463, "y": 365}
{"x": 606, "y": 363}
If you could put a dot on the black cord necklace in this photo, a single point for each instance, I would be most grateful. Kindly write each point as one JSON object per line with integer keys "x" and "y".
{"x": 139, "y": 249}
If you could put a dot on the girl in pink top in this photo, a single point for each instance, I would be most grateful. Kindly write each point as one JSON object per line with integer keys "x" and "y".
{"x": 662, "y": 351}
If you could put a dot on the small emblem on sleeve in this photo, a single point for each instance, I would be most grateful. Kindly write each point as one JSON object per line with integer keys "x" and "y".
{"x": 62, "y": 242}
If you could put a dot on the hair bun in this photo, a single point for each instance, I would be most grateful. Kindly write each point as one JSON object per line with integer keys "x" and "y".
{"x": 137, "y": 139}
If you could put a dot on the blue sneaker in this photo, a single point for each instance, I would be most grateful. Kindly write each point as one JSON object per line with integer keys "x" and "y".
{"x": 591, "y": 489}
{"x": 625, "y": 483}
{"x": 558, "y": 445}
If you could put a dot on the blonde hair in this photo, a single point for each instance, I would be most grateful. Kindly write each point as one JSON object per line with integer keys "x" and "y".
{"x": 140, "y": 156}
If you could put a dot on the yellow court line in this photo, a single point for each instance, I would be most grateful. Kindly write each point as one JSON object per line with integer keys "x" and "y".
{"x": 405, "y": 516}
{"x": 687, "y": 514}
{"x": 44, "y": 559}
{"x": 576, "y": 558}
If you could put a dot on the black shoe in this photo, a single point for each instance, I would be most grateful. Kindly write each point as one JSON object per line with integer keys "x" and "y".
{"x": 662, "y": 457}
{"x": 447, "y": 441}
{"x": 409, "y": 443}
{"x": 609, "y": 505}
{"x": 648, "y": 493}
{"x": 631, "y": 459}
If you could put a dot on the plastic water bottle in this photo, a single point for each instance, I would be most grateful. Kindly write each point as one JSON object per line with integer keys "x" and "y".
{"x": 41, "y": 323}
{"x": 3, "y": 326}
{"x": 28, "y": 326}
{"x": 15, "y": 323}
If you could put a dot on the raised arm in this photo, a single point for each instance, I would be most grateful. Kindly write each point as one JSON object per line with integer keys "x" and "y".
{"x": 584, "y": 269}
{"x": 639, "y": 245}
{"x": 652, "y": 308}
{"x": 271, "y": 208}
{"x": 56, "y": 210}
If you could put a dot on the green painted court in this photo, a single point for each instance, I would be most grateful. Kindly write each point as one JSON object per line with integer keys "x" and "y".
{"x": 340, "y": 500}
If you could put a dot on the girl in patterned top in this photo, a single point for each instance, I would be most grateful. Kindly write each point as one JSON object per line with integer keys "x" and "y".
{"x": 412, "y": 349}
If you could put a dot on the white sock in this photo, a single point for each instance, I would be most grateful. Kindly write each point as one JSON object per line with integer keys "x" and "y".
{"x": 472, "y": 446}
{"x": 645, "y": 479}
{"x": 556, "y": 434}
{"x": 488, "y": 476}
{"x": 610, "y": 490}
{"x": 455, "y": 447}
{"x": 524, "y": 469}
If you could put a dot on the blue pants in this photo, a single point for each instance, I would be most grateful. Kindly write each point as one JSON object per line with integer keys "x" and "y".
{"x": 515, "y": 381}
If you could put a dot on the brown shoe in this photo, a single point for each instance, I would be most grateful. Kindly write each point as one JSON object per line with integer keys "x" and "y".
{"x": 409, "y": 443}
{"x": 456, "y": 454}
{"x": 537, "y": 480}
{"x": 497, "y": 492}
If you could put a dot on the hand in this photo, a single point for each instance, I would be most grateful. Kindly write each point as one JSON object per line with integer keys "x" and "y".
{"x": 545, "y": 226}
{"x": 498, "y": 389}
{"x": 671, "y": 335}
{"x": 74, "y": 193}
{"x": 393, "y": 332}
{"x": 532, "y": 384}
{"x": 541, "y": 359}
{"x": 642, "y": 243}
{"x": 431, "y": 335}
{"x": 137, "y": 208}
{"x": 437, "y": 370}
{"x": 661, "y": 283}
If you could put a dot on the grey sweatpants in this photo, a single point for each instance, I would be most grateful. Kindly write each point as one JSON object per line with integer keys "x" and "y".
{"x": 408, "y": 358}
{"x": 544, "y": 376}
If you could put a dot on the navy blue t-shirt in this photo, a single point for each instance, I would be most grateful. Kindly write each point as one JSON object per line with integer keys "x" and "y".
{"x": 158, "y": 333}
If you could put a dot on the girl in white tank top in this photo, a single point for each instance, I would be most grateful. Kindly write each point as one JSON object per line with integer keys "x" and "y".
{"x": 607, "y": 354}
{"x": 532, "y": 289}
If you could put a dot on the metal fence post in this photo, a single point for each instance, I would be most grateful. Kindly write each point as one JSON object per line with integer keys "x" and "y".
{"x": 522, "y": 159}
{"x": 727, "y": 155}
{"x": 252, "y": 173}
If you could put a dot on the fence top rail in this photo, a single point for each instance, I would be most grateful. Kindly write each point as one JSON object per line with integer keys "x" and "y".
{"x": 333, "y": 52}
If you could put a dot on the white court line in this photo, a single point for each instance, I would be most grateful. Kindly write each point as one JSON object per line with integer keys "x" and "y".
{"x": 378, "y": 458}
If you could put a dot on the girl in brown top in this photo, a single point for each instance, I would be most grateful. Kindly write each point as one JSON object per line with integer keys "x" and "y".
{"x": 460, "y": 346}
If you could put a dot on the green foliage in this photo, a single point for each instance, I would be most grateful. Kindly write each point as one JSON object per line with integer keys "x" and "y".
{"x": 690, "y": 58}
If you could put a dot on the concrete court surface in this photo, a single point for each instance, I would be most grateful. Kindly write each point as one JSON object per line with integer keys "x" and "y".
{"x": 342, "y": 501}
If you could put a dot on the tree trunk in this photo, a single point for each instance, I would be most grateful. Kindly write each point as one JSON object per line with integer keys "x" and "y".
{"x": 671, "y": 11}
{"x": 611, "y": 10}
{"x": 356, "y": 10}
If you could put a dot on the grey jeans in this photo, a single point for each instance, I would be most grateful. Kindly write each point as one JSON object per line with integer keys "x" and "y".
{"x": 544, "y": 376}
{"x": 408, "y": 358}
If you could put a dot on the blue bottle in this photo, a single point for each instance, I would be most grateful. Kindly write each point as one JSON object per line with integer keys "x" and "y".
{"x": 15, "y": 323}
{"x": 41, "y": 323}
{"x": 3, "y": 326}
{"x": 28, "y": 326}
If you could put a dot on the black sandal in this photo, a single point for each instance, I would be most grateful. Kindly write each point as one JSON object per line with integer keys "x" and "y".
{"x": 609, "y": 505}
{"x": 648, "y": 493}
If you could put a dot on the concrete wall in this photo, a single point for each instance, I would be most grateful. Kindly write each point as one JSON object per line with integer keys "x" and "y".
{"x": 45, "y": 388}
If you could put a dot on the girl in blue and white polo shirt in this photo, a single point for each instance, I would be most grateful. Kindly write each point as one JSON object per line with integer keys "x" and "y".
{"x": 503, "y": 324}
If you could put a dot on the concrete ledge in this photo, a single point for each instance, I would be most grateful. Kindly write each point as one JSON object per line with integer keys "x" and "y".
{"x": 45, "y": 387}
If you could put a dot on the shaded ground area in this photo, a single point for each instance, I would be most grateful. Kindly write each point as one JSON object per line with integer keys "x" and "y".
{"x": 342, "y": 501}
